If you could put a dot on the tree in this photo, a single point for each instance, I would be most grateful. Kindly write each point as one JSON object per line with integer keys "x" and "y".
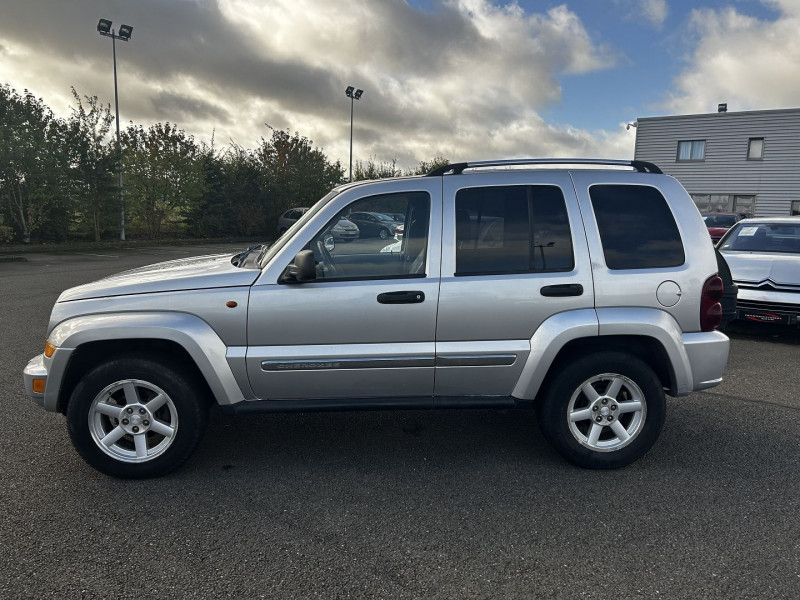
{"x": 164, "y": 174}
{"x": 373, "y": 170}
{"x": 293, "y": 172}
{"x": 33, "y": 165}
{"x": 93, "y": 160}
{"x": 426, "y": 167}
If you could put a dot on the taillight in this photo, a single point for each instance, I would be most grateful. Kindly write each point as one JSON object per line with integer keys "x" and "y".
{"x": 710, "y": 307}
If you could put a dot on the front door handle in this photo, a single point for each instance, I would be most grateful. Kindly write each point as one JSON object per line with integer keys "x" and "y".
{"x": 563, "y": 289}
{"x": 414, "y": 297}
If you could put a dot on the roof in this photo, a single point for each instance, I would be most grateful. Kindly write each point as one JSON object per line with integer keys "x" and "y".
{"x": 723, "y": 115}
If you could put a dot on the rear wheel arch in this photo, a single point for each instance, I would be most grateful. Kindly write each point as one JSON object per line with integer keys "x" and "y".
{"x": 646, "y": 348}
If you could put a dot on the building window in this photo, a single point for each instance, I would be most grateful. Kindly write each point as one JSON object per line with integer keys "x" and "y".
{"x": 744, "y": 205}
{"x": 795, "y": 208}
{"x": 707, "y": 203}
{"x": 692, "y": 150}
{"x": 755, "y": 149}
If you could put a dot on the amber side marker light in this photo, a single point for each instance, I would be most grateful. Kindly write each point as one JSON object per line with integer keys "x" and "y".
{"x": 49, "y": 349}
{"x": 38, "y": 386}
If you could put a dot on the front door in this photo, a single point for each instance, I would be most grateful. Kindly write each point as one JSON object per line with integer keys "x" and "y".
{"x": 365, "y": 327}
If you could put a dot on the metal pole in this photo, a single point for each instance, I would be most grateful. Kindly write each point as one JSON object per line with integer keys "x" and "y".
{"x": 351, "y": 138}
{"x": 119, "y": 146}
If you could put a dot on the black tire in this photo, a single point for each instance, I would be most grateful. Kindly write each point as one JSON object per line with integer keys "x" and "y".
{"x": 573, "y": 440}
{"x": 384, "y": 234}
{"x": 184, "y": 412}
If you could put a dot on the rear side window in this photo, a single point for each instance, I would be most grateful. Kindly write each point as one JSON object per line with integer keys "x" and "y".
{"x": 512, "y": 229}
{"x": 636, "y": 226}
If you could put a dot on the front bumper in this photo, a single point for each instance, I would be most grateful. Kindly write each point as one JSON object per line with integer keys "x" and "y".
{"x": 51, "y": 370}
{"x": 35, "y": 370}
{"x": 772, "y": 307}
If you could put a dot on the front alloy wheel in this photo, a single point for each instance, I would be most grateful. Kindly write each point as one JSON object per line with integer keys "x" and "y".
{"x": 133, "y": 420}
{"x": 137, "y": 416}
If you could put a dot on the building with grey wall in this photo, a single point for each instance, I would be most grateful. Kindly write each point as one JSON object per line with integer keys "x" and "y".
{"x": 729, "y": 161}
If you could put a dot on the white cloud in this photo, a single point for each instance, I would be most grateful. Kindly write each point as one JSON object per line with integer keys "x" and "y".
{"x": 749, "y": 63}
{"x": 655, "y": 12}
{"x": 466, "y": 80}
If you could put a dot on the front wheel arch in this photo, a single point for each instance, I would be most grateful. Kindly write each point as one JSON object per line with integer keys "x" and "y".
{"x": 88, "y": 355}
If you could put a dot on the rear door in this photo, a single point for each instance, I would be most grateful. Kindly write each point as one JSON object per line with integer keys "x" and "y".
{"x": 513, "y": 255}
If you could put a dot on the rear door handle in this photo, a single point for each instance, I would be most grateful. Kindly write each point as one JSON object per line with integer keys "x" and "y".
{"x": 562, "y": 289}
{"x": 414, "y": 297}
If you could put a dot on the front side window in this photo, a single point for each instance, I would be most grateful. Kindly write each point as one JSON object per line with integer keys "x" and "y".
{"x": 359, "y": 244}
{"x": 512, "y": 229}
{"x": 636, "y": 227}
{"x": 755, "y": 149}
{"x": 692, "y": 150}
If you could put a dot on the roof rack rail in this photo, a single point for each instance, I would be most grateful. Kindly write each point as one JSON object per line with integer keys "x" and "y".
{"x": 458, "y": 168}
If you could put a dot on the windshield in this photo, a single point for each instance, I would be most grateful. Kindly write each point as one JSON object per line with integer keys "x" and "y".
{"x": 763, "y": 237}
{"x": 281, "y": 241}
{"x": 382, "y": 217}
{"x": 720, "y": 220}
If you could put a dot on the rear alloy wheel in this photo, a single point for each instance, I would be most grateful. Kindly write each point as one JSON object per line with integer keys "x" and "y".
{"x": 603, "y": 411}
{"x": 384, "y": 234}
{"x": 133, "y": 417}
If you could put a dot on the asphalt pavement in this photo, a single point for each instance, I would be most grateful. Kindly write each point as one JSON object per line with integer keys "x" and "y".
{"x": 410, "y": 504}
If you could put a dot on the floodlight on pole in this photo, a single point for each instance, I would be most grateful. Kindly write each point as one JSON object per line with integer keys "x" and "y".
{"x": 125, "y": 31}
{"x": 353, "y": 95}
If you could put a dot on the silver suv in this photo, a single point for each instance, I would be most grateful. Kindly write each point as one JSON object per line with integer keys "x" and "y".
{"x": 585, "y": 289}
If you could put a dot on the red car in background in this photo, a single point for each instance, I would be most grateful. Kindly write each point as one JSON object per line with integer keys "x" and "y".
{"x": 718, "y": 223}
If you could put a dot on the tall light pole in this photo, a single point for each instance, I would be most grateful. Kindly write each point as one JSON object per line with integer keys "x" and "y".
{"x": 353, "y": 96}
{"x": 104, "y": 28}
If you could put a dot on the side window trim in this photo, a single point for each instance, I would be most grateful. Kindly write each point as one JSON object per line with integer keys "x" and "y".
{"x": 614, "y": 263}
{"x": 472, "y": 244}
{"x": 415, "y": 199}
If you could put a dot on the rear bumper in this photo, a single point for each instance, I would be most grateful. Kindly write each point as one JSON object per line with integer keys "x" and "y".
{"x": 707, "y": 353}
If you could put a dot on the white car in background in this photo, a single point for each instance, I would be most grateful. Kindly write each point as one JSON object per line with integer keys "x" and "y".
{"x": 764, "y": 258}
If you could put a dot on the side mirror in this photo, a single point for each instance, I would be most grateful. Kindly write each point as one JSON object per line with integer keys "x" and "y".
{"x": 302, "y": 268}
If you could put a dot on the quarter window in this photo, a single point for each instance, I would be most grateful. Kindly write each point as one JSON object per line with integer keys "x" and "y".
{"x": 636, "y": 227}
{"x": 755, "y": 149}
{"x": 692, "y": 150}
{"x": 512, "y": 229}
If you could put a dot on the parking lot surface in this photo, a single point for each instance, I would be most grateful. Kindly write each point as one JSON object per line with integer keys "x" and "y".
{"x": 411, "y": 504}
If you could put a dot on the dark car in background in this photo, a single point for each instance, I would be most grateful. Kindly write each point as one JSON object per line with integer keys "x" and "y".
{"x": 718, "y": 223}
{"x": 343, "y": 231}
{"x": 374, "y": 224}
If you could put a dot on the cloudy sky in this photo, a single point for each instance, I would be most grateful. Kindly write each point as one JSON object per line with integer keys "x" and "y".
{"x": 467, "y": 79}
